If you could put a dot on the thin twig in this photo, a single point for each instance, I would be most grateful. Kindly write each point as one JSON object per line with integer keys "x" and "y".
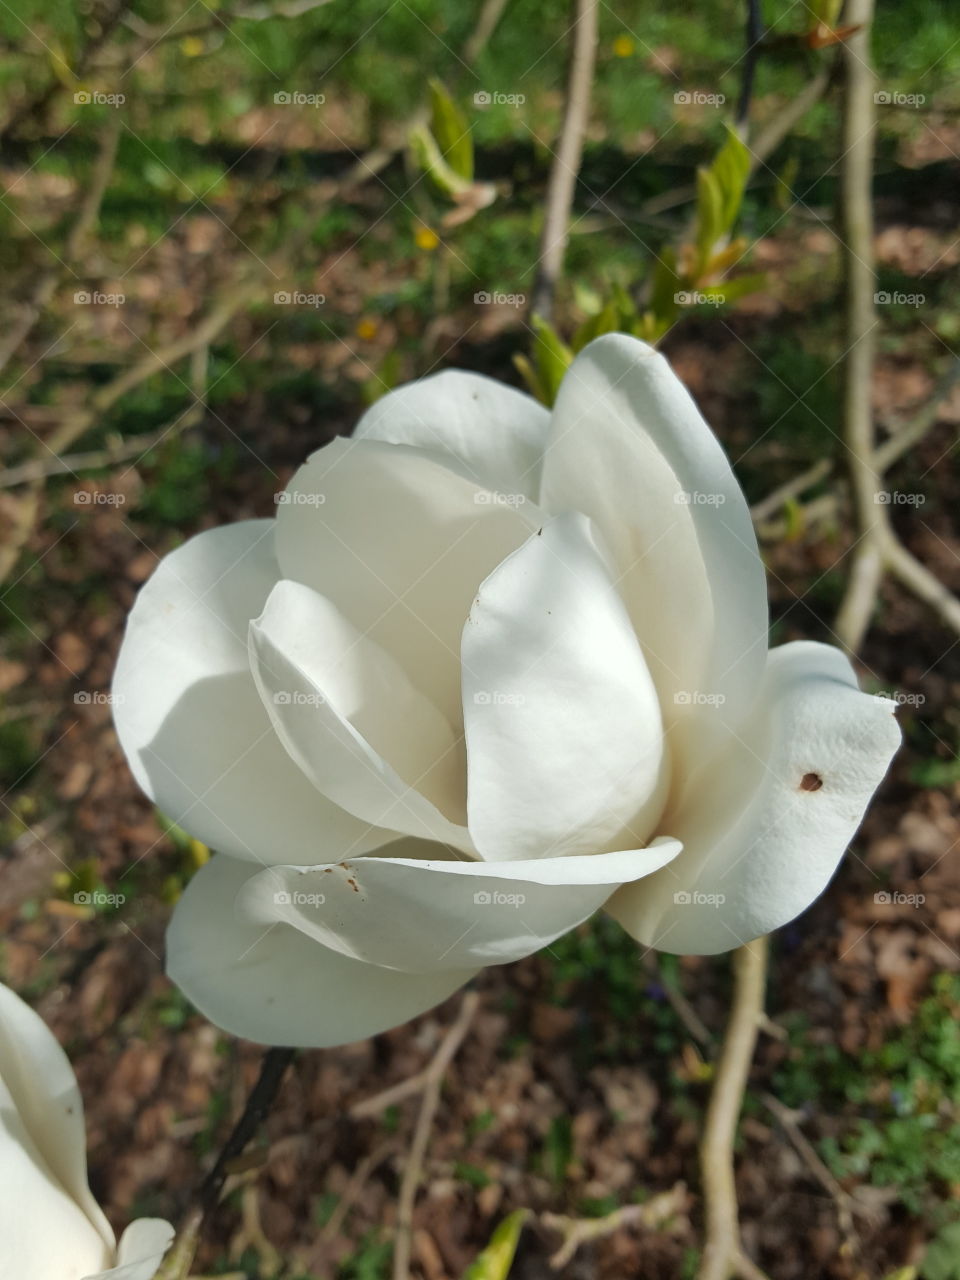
{"x": 844, "y": 1202}
{"x": 754, "y": 36}
{"x": 774, "y": 500}
{"x": 722, "y": 1254}
{"x": 789, "y": 115}
{"x": 566, "y": 162}
{"x": 413, "y": 1170}
{"x": 856, "y": 182}
{"x": 272, "y": 1070}
{"x": 907, "y": 434}
{"x": 86, "y": 219}
{"x": 653, "y": 1215}
{"x": 490, "y": 14}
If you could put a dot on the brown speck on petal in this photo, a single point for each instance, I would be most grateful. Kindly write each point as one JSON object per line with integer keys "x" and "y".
{"x": 811, "y": 782}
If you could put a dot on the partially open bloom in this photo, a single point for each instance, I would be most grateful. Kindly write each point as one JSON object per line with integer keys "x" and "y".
{"x": 489, "y": 669}
{"x": 50, "y": 1225}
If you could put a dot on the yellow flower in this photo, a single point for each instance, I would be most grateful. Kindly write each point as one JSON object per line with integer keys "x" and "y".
{"x": 426, "y": 238}
{"x": 367, "y": 329}
{"x": 623, "y": 47}
{"x": 192, "y": 46}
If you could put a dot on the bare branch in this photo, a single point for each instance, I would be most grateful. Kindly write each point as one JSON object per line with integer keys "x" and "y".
{"x": 566, "y": 163}
{"x": 421, "y": 1134}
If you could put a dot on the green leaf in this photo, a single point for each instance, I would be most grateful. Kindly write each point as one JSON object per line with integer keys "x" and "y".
{"x": 731, "y": 169}
{"x": 664, "y": 288}
{"x": 607, "y": 320}
{"x": 452, "y": 132}
{"x": 427, "y": 154}
{"x": 731, "y": 290}
{"x": 553, "y": 358}
{"x": 497, "y": 1258}
{"x": 942, "y": 1258}
{"x": 709, "y": 213}
{"x": 531, "y": 378}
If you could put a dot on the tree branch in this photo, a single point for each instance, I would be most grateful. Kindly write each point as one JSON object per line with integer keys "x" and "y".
{"x": 421, "y": 1134}
{"x": 722, "y": 1255}
{"x": 566, "y": 162}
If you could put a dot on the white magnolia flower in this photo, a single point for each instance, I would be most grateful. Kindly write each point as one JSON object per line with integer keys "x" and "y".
{"x": 50, "y": 1224}
{"x": 490, "y": 669}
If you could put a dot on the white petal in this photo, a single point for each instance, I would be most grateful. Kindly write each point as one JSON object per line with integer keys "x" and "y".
{"x": 565, "y": 745}
{"x": 775, "y": 812}
{"x": 40, "y": 1080}
{"x": 273, "y": 984}
{"x": 189, "y": 717}
{"x": 352, "y": 720}
{"x": 629, "y": 448}
{"x": 51, "y": 1227}
{"x": 141, "y": 1250}
{"x": 421, "y": 915}
{"x": 490, "y": 432}
{"x": 399, "y": 543}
